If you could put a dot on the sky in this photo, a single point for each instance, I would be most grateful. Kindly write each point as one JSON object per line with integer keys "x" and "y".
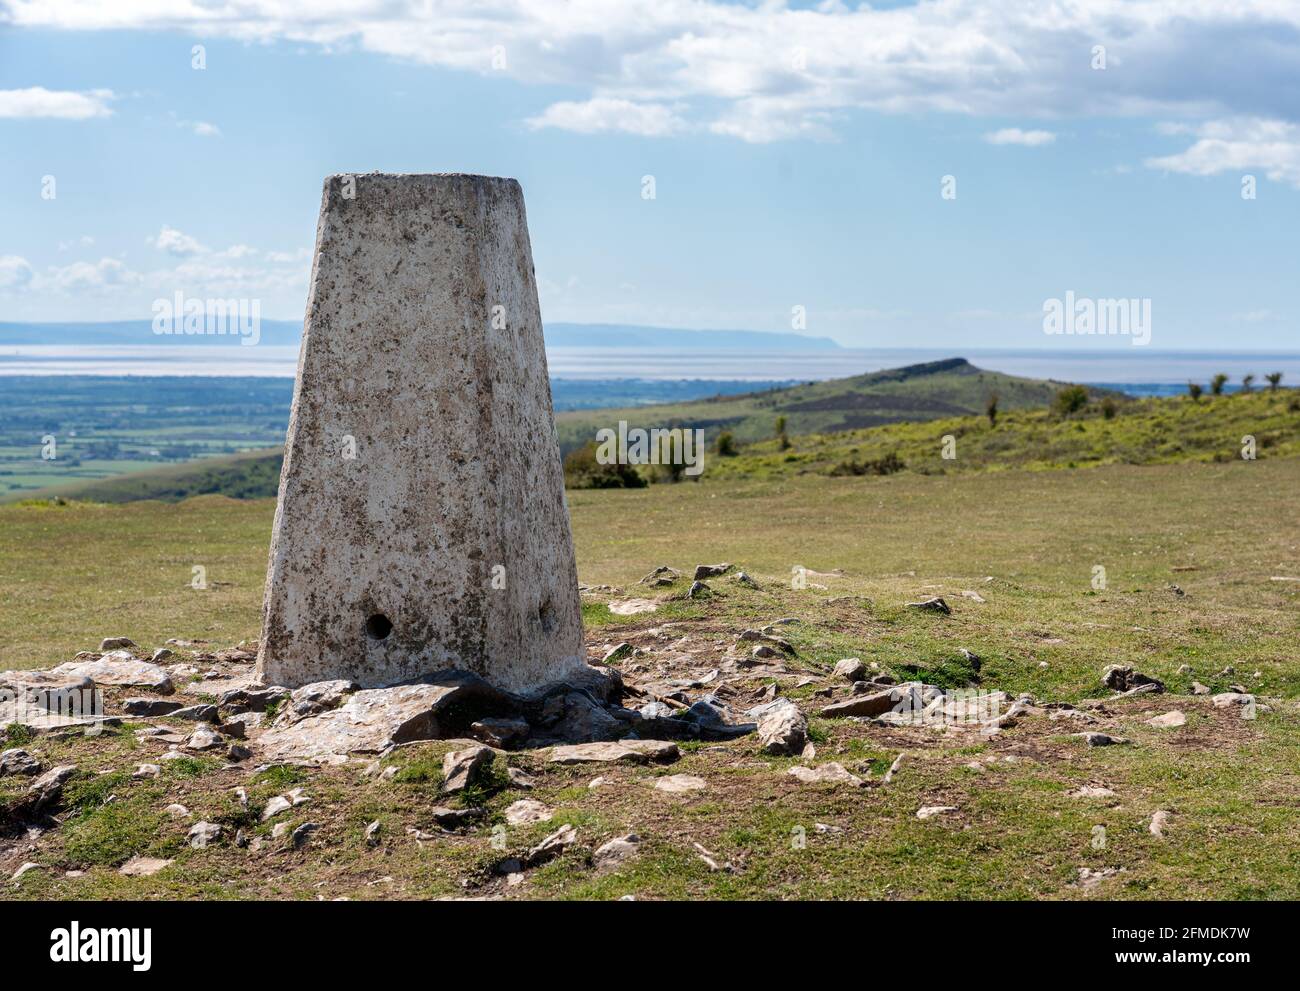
{"x": 804, "y": 157}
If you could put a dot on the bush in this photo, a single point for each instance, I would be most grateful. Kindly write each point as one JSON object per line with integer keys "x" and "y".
{"x": 1109, "y": 408}
{"x": 887, "y": 465}
{"x": 583, "y": 471}
{"x": 1070, "y": 400}
{"x": 727, "y": 444}
{"x": 1194, "y": 390}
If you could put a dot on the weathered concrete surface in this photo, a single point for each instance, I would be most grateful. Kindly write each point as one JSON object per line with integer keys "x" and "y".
{"x": 456, "y": 468}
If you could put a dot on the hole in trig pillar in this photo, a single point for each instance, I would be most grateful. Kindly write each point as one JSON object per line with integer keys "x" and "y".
{"x": 378, "y": 627}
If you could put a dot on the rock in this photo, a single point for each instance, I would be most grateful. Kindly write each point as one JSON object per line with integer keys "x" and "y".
{"x": 698, "y": 590}
{"x": 703, "y": 571}
{"x": 177, "y": 811}
{"x": 49, "y": 786}
{"x": 142, "y": 867}
{"x": 302, "y": 834}
{"x": 203, "y": 833}
{"x": 1122, "y": 678}
{"x": 933, "y": 604}
{"x": 552, "y": 846}
{"x": 831, "y": 773}
{"x": 759, "y": 636}
{"x": 25, "y": 868}
{"x": 500, "y": 733}
{"x": 453, "y": 818}
{"x": 657, "y": 710}
{"x": 1091, "y": 791}
{"x": 255, "y": 699}
{"x": 616, "y": 851}
{"x": 461, "y": 767}
{"x": 972, "y": 595}
{"x": 518, "y": 779}
{"x": 633, "y": 607}
{"x": 372, "y": 833}
{"x": 162, "y": 654}
{"x": 679, "y": 784}
{"x": 1100, "y": 739}
{"x": 893, "y": 769}
{"x": 623, "y": 752}
{"x": 1169, "y": 720}
{"x": 710, "y": 712}
{"x": 782, "y": 728}
{"x": 908, "y": 698}
{"x": 1159, "y": 820}
{"x": 586, "y": 721}
{"x": 710, "y": 859}
{"x": 18, "y": 761}
{"x": 1199, "y": 689}
{"x": 315, "y": 698}
{"x": 1225, "y": 700}
{"x": 149, "y": 707}
{"x": 121, "y": 669}
{"x": 203, "y": 738}
{"x": 618, "y": 653}
{"x": 930, "y": 811}
{"x": 525, "y": 812}
{"x": 275, "y": 806}
{"x": 116, "y": 643}
{"x": 850, "y": 669}
{"x": 279, "y": 830}
{"x": 658, "y": 576}
{"x": 375, "y": 719}
{"x": 145, "y": 771}
{"x": 197, "y": 714}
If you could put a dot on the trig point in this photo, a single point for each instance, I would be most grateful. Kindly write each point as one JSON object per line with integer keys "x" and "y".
{"x": 421, "y": 523}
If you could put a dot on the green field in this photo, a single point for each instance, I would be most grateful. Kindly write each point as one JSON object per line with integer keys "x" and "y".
{"x": 58, "y": 431}
{"x": 1028, "y": 542}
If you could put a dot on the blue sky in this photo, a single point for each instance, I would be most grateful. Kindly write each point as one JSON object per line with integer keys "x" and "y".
{"x": 798, "y": 153}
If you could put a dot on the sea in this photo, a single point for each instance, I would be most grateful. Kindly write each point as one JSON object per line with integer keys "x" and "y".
{"x": 1137, "y": 371}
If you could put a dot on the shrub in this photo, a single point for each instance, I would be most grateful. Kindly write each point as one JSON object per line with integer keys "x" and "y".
{"x": 727, "y": 444}
{"x": 1273, "y": 379}
{"x": 886, "y": 465}
{"x": 1217, "y": 383}
{"x": 1109, "y": 408}
{"x": 1070, "y": 400}
{"x": 583, "y": 471}
{"x": 1194, "y": 390}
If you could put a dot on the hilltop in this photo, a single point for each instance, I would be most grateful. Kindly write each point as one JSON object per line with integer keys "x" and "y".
{"x": 927, "y": 391}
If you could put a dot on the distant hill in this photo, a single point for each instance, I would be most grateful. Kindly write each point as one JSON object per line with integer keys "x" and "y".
{"x": 289, "y": 332}
{"x": 251, "y": 475}
{"x": 928, "y": 391}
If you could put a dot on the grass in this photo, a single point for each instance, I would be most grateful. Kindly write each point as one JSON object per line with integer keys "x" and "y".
{"x": 1027, "y": 542}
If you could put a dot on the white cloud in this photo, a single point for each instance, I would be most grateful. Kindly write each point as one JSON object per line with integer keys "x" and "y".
{"x": 1240, "y": 145}
{"x": 237, "y": 251}
{"x": 174, "y": 242}
{"x": 607, "y": 114}
{"x": 15, "y": 272}
{"x": 764, "y": 71}
{"x": 80, "y": 276}
{"x": 37, "y": 101}
{"x": 203, "y": 129}
{"x": 1015, "y": 136}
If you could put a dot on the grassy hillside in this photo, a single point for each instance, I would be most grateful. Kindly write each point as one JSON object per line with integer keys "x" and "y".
{"x": 1027, "y": 542}
{"x": 251, "y": 475}
{"x": 1139, "y": 432}
{"x": 929, "y": 391}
